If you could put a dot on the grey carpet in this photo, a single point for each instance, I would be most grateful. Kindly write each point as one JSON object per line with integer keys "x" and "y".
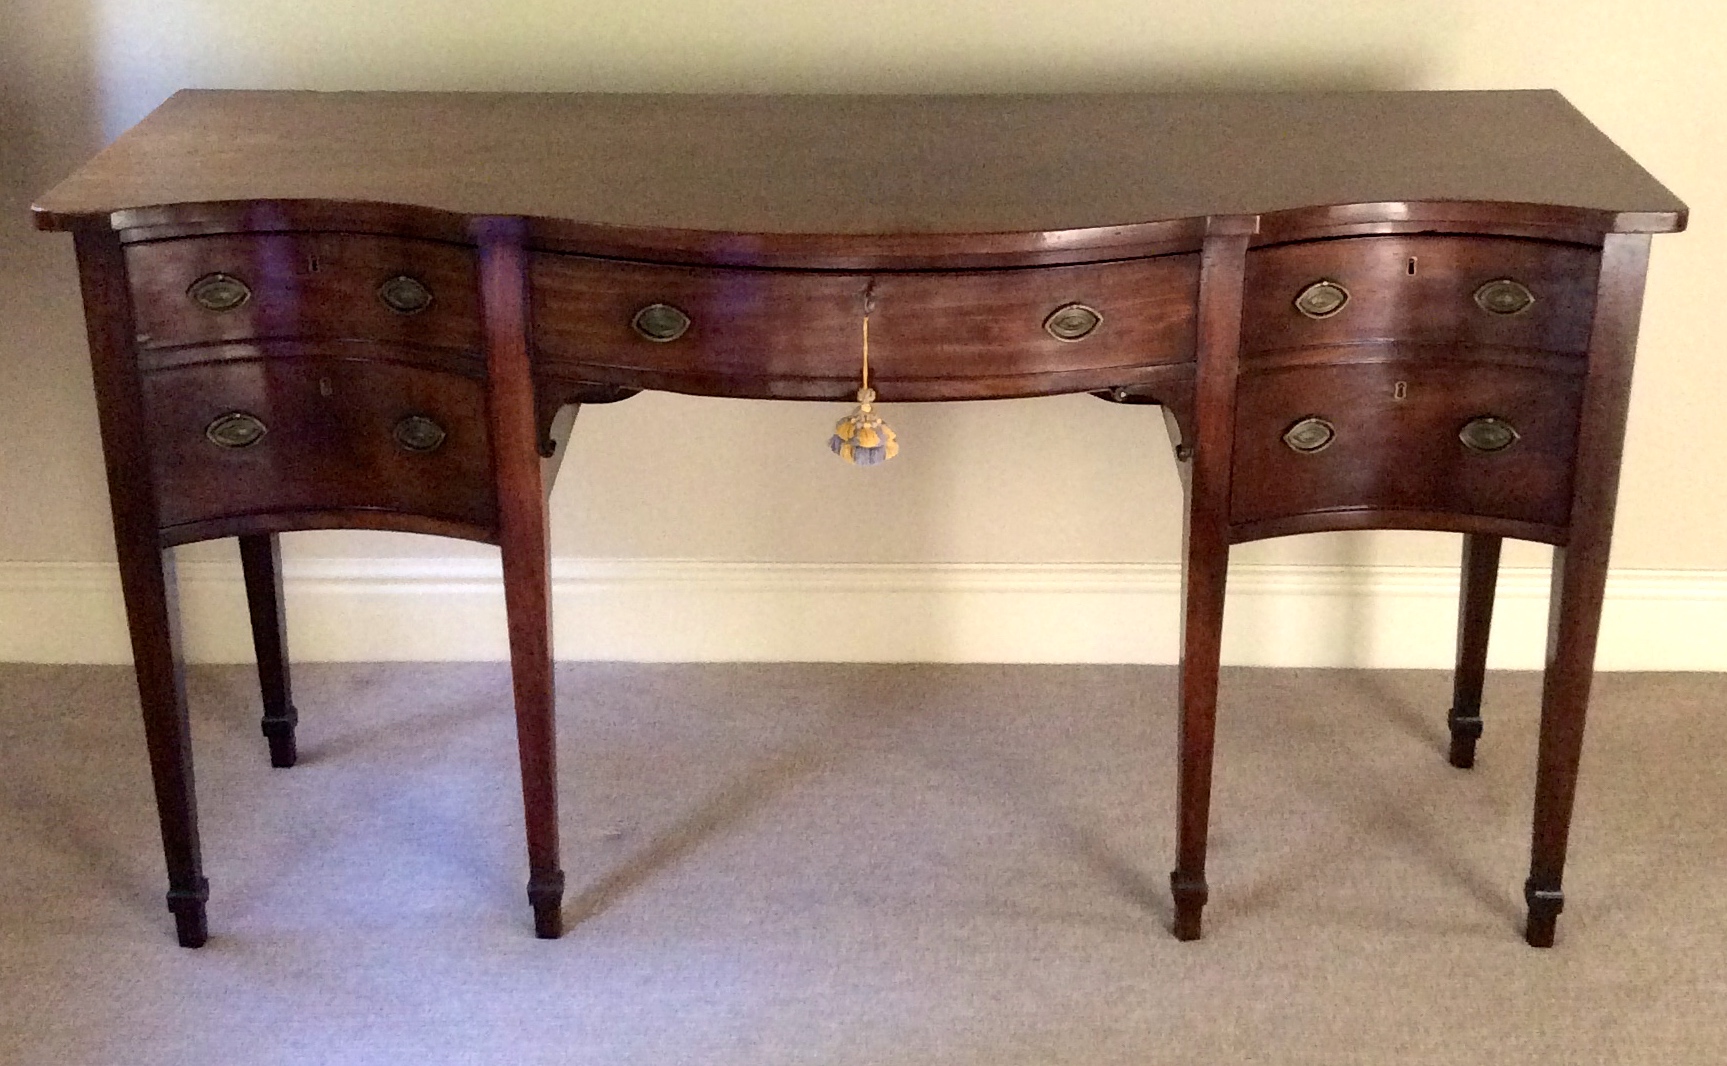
{"x": 859, "y": 864}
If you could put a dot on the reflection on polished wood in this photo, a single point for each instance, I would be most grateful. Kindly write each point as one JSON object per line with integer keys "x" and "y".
{"x": 1358, "y": 310}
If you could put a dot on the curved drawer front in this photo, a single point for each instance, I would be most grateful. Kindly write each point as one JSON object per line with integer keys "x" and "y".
{"x": 311, "y": 434}
{"x": 599, "y": 320}
{"x": 794, "y": 334}
{"x": 1391, "y": 436}
{"x": 1435, "y": 290}
{"x": 1026, "y": 324}
{"x": 331, "y": 286}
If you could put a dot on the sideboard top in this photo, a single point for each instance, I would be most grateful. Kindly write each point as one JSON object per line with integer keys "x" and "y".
{"x": 867, "y": 165}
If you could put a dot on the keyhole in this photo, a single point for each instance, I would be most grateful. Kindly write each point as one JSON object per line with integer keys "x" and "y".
{"x": 324, "y": 388}
{"x": 1400, "y": 391}
{"x": 1410, "y": 266}
{"x": 312, "y": 262}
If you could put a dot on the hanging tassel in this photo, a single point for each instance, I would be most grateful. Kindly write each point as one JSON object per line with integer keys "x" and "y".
{"x": 862, "y": 437}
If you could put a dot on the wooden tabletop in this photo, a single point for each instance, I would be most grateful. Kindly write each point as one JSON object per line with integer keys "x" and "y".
{"x": 868, "y": 165}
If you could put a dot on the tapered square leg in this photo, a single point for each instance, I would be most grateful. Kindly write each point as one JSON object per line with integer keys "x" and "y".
{"x": 527, "y": 588}
{"x": 1579, "y": 585}
{"x": 1202, "y": 624}
{"x": 1474, "y": 621}
{"x": 152, "y": 612}
{"x": 1580, "y": 575}
{"x": 261, "y": 562}
{"x": 524, "y": 545}
{"x": 1205, "y": 566}
{"x": 147, "y": 578}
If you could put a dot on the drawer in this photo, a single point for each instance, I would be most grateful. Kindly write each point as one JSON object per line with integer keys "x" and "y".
{"x": 787, "y": 333}
{"x": 336, "y": 434}
{"x": 315, "y": 286}
{"x": 1429, "y": 290}
{"x": 1396, "y": 440}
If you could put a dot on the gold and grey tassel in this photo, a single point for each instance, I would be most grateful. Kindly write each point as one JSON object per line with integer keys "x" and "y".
{"x": 862, "y": 437}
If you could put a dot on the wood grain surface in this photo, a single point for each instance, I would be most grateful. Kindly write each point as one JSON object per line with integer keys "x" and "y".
{"x": 1421, "y": 289}
{"x": 1395, "y": 452}
{"x": 754, "y": 179}
{"x": 304, "y": 285}
{"x": 329, "y": 444}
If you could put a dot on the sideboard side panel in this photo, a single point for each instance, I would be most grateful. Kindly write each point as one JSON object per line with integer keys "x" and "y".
{"x": 1580, "y": 573}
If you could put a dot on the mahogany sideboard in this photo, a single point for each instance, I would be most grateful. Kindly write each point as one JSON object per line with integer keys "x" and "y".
{"x": 1387, "y": 310}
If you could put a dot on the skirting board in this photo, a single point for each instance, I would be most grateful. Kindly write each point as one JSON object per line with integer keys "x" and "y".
{"x": 667, "y": 610}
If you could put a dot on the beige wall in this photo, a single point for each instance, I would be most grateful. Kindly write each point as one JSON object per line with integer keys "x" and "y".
{"x": 673, "y": 477}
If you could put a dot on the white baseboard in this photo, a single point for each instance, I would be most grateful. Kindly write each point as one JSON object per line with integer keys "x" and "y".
{"x": 686, "y": 611}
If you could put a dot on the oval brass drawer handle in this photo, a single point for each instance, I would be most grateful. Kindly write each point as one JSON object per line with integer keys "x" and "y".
{"x": 405, "y": 295}
{"x": 417, "y": 433}
{"x": 1488, "y": 434}
{"x": 236, "y": 429}
{"x": 660, "y": 323}
{"x": 1322, "y": 299}
{"x": 1072, "y": 322}
{"x": 219, "y": 292}
{"x": 1311, "y": 434}
{"x": 1502, "y": 296}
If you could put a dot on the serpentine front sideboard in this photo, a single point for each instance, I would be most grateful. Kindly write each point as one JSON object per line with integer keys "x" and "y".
{"x": 380, "y": 310}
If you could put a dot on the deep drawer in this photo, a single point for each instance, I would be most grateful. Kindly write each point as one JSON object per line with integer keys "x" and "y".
{"x": 310, "y": 286}
{"x": 1428, "y": 290}
{"x": 1396, "y": 442}
{"x": 763, "y": 332}
{"x": 314, "y": 434}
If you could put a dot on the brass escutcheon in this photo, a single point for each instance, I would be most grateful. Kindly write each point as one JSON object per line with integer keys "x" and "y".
{"x": 219, "y": 292}
{"x": 660, "y": 323}
{"x": 1322, "y": 299}
{"x": 1072, "y": 322}
{"x": 405, "y": 295}
{"x": 1488, "y": 434}
{"x": 236, "y": 429}
{"x": 1502, "y": 296}
{"x": 1311, "y": 434}
{"x": 417, "y": 433}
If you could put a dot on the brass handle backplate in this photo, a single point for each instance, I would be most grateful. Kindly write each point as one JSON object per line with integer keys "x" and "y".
{"x": 235, "y": 430}
{"x": 1502, "y": 296}
{"x": 660, "y": 323}
{"x": 1488, "y": 434}
{"x": 1322, "y": 299}
{"x": 405, "y": 295}
{"x": 1072, "y": 322}
{"x": 417, "y": 433}
{"x": 219, "y": 292}
{"x": 1311, "y": 434}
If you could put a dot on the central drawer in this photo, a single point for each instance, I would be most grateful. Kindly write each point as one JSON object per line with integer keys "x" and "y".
{"x": 769, "y": 333}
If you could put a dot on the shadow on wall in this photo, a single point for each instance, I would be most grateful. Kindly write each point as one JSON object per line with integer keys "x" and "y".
{"x": 50, "y": 98}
